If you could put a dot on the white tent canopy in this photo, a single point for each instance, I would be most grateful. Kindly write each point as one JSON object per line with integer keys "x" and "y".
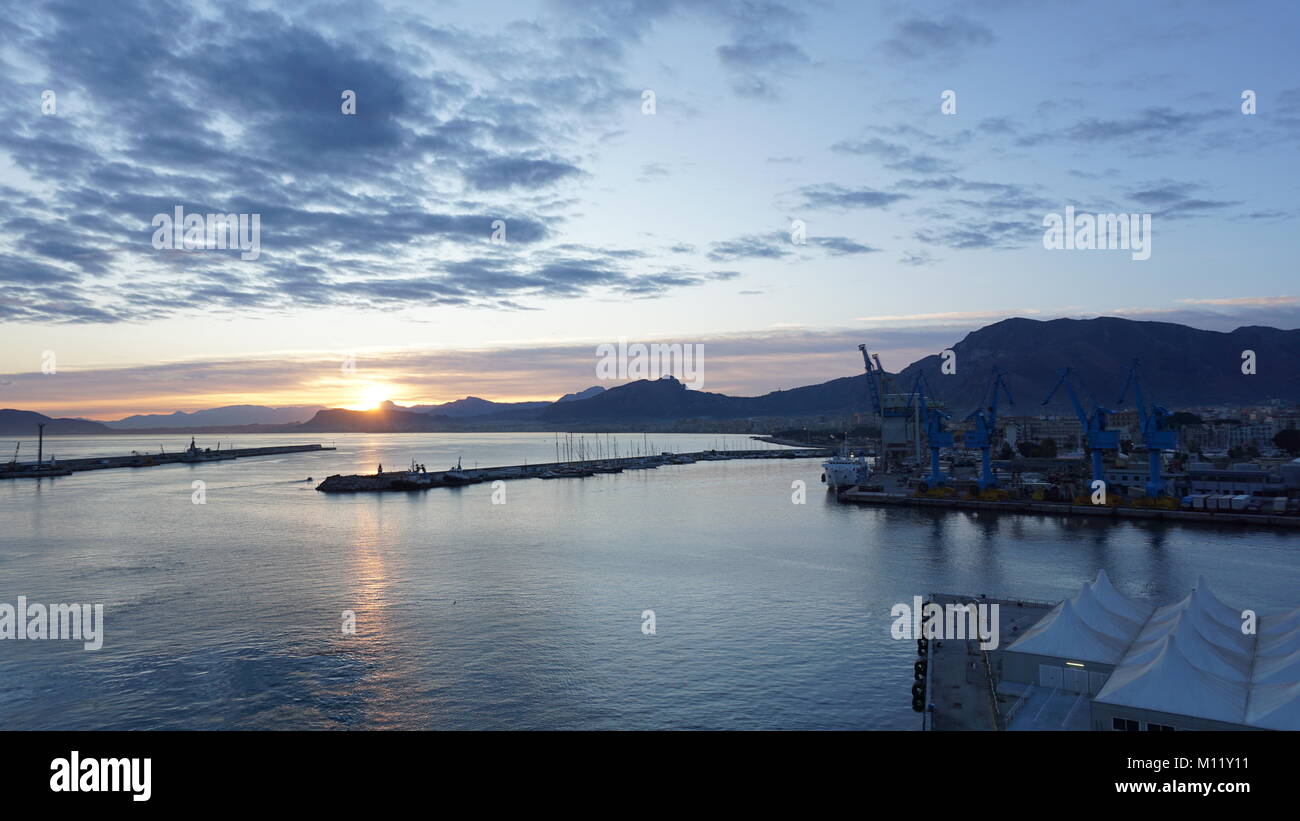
{"x": 1188, "y": 658}
{"x": 1200, "y": 652}
{"x": 1063, "y": 633}
{"x": 1277, "y": 644}
{"x": 1277, "y": 669}
{"x": 1096, "y": 615}
{"x": 1187, "y": 611}
{"x": 1169, "y": 683}
{"x": 1275, "y": 707}
{"x": 1116, "y": 601}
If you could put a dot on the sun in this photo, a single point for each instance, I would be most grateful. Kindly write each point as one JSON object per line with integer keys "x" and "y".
{"x": 372, "y": 396}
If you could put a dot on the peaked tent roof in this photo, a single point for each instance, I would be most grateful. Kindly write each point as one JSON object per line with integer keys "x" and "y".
{"x": 1280, "y": 644}
{"x": 1275, "y": 706}
{"x": 1116, "y": 601}
{"x": 1283, "y": 622}
{"x": 1190, "y": 609}
{"x": 1064, "y": 634}
{"x": 1278, "y": 669}
{"x": 1199, "y": 651}
{"x": 1220, "y": 612}
{"x": 1097, "y": 616}
{"x": 1186, "y": 658}
{"x": 1169, "y": 683}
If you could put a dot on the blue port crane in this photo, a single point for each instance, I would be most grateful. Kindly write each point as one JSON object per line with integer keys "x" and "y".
{"x": 986, "y": 426}
{"x": 880, "y": 389}
{"x": 875, "y": 380}
{"x": 937, "y": 434}
{"x": 1158, "y": 434}
{"x": 1099, "y": 439}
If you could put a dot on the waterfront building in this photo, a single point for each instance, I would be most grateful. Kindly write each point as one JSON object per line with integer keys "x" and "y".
{"x": 1102, "y": 661}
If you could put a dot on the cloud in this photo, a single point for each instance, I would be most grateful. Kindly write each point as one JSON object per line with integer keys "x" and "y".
{"x": 1245, "y": 301}
{"x": 921, "y": 38}
{"x": 830, "y": 195}
{"x": 752, "y": 246}
{"x": 841, "y": 246}
{"x": 896, "y": 156}
{"x": 1143, "y": 131}
{"x": 393, "y": 205}
{"x": 1175, "y": 200}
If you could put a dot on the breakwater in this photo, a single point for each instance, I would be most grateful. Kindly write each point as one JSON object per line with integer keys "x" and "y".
{"x": 64, "y": 467}
{"x": 1068, "y": 509}
{"x": 421, "y": 480}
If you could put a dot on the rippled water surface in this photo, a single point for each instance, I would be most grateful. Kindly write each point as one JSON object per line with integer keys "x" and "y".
{"x": 527, "y": 614}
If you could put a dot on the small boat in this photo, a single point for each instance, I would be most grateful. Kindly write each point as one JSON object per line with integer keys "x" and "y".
{"x": 457, "y": 476}
{"x": 413, "y": 479}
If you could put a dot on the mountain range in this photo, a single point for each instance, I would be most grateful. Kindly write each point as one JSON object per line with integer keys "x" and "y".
{"x": 24, "y": 422}
{"x": 227, "y": 415}
{"x": 1180, "y": 367}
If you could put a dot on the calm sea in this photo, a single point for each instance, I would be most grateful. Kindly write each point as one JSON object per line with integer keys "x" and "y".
{"x": 527, "y": 614}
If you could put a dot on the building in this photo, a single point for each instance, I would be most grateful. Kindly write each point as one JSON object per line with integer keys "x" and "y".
{"x": 1189, "y": 665}
{"x": 1247, "y": 479}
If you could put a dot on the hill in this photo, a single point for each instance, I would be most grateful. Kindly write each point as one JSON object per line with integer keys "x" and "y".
{"x": 226, "y": 416}
{"x": 23, "y": 423}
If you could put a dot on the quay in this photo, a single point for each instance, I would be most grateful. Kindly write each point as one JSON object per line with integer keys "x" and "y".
{"x": 959, "y": 687}
{"x": 870, "y": 497}
{"x": 1100, "y": 660}
{"x": 422, "y": 480}
{"x": 191, "y": 455}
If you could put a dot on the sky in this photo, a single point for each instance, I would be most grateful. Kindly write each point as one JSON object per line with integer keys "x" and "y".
{"x": 922, "y": 211}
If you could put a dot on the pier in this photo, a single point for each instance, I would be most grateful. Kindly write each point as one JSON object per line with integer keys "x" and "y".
{"x": 421, "y": 480}
{"x": 1069, "y": 509}
{"x": 960, "y": 682}
{"x": 191, "y": 455}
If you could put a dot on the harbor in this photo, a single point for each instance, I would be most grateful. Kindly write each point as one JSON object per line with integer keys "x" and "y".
{"x": 1138, "y": 469}
{"x": 418, "y": 478}
{"x": 768, "y": 612}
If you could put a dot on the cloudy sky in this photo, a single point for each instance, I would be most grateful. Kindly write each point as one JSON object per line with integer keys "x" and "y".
{"x": 376, "y": 228}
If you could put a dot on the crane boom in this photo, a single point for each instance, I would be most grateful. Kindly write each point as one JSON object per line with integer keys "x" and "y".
{"x": 1158, "y": 435}
{"x": 1099, "y": 439}
{"x": 986, "y": 426}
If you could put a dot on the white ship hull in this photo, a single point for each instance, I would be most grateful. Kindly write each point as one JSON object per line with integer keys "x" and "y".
{"x": 843, "y": 472}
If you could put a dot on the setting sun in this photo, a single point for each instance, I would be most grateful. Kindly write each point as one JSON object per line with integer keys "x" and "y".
{"x": 372, "y": 396}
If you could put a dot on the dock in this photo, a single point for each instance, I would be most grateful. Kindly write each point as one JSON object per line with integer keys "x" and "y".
{"x": 405, "y": 480}
{"x": 64, "y": 467}
{"x": 961, "y": 691}
{"x": 1069, "y": 509}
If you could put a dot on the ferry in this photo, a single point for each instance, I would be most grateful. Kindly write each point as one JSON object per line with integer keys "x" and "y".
{"x": 845, "y": 470}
